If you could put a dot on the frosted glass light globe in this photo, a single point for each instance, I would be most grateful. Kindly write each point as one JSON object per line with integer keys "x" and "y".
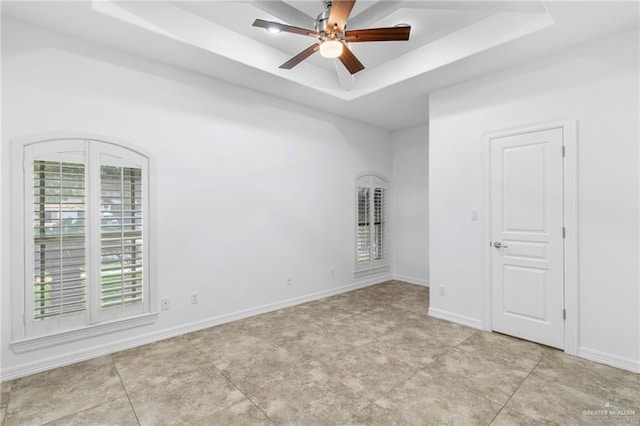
{"x": 331, "y": 48}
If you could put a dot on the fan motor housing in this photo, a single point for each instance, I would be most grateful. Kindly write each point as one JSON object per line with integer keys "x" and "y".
{"x": 322, "y": 21}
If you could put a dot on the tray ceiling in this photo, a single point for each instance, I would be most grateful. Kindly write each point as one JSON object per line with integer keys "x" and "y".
{"x": 450, "y": 41}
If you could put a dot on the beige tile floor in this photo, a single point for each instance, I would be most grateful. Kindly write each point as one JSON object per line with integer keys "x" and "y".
{"x": 370, "y": 356}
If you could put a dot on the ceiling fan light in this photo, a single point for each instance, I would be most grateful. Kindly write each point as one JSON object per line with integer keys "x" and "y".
{"x": 331, "y": 48}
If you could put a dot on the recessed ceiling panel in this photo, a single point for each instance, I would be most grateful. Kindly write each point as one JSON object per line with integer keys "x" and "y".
{"x": 441, "y": 35}
{"x": 427, "y": 25}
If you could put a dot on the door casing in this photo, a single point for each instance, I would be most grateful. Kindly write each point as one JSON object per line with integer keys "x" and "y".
{"x": 569, "y": 128}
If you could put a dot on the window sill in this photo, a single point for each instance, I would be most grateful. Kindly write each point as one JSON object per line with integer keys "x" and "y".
{"x": 370, "y": 271}
{"x": 41, "y": 342}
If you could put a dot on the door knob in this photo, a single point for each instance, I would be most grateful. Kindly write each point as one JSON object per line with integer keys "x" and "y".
{"x": 497, "y": 244}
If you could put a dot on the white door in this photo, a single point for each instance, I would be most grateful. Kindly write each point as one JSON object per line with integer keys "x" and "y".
{"x": 527, "y": 261}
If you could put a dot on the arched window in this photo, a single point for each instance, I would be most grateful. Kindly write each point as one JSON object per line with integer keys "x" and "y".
{"x": 83, "y": 258}
{"x": 371, "y": 226}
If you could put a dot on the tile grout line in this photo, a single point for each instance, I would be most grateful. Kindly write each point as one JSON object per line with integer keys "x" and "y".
{"x": 478, "y": 394}
{"x": 418, "y": 370}
{"x": 429, "y": 364}
{"x": 245, "y": 395}
{"x": 234, "y": 385}
{"x": 450, "y": 350}
{"x": 476, "y": 332}
{"x": 86, "y": 409}
{"x": 126, "y": 392}
{"x": 516, "y": 390}
{"x": 79, "y": 411}
{"x": 6, "y": 408}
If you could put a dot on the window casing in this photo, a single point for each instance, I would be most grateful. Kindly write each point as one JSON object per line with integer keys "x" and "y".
{"x": 371, "y": 223}
{"x": 84, "y": 253}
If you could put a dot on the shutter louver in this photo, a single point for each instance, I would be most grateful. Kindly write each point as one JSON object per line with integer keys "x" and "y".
{"x": 121, "y": 216}
{"x": 59, "y": 239}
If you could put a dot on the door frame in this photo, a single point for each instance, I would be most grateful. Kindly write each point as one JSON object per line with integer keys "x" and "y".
{"x": 569, "y": 128}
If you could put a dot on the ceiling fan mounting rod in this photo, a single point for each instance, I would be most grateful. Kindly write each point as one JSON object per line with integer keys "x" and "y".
{"x": 321, "y": 23}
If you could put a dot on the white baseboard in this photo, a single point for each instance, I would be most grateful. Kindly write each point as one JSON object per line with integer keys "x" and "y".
{"x": 457, "y": 318}
{"x": 609, "y": 359}
{"x": 41, "y": 365}
{"x": 411, "y": 280}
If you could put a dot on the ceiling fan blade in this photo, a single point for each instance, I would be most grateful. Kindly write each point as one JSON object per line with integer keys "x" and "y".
{"x": 285, "y": 12}
{"x": 349, "y": 60}
{"x": 378, "y": 34}
{"x": 340, "y": 10}
{"x": 300, "y": 56}
{"x": 268, "y": 25}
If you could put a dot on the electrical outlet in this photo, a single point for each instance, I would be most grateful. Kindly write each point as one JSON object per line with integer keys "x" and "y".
{"x": 194, "y": 297}
{"x": 333, "y": 271}
{"x": 164, "y": 303}
{"x": 443, "y": 290}
{"x": 289, "y": 280}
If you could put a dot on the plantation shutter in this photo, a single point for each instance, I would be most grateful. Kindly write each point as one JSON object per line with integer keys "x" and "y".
{"x": 363, "y": 242}
{"x": 121, "y": 245}
{"x": 59, "y": 211}
{"x": 85, "y": 251}
{"x": 379, "y": 233}
{"x": 371, "y": 238}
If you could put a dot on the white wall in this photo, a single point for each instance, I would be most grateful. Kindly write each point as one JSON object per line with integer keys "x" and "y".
{"x": 250, "y": 189}
{"x": 598, "y": 85}
{"x": 410, "y": 194}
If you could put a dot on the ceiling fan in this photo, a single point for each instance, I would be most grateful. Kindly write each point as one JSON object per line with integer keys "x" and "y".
{"x": 333, "y": 37}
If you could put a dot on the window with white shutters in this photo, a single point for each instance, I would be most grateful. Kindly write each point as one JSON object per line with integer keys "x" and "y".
{"x": 85, "y": 248}
{"x": 371, "y": 238}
